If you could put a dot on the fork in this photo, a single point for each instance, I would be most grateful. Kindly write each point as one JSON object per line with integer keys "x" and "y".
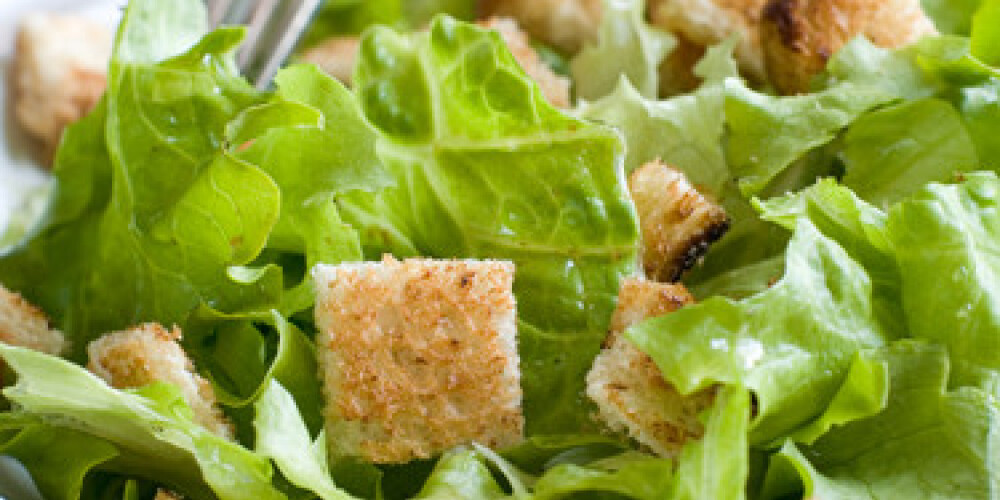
{"x": 274, "y": 28}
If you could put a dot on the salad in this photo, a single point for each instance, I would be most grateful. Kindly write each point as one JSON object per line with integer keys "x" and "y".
{"x": 833, "y": 328}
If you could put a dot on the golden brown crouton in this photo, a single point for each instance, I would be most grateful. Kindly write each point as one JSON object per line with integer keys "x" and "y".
{"x": 677, "y": 222}
{"x": 709, "y": 22}
{"x": 162, "y": 494}
{"x": 800, "y": 36}
{"x": 60, "y": 72}
{"x": 626, "y": 384}
{"x": 563, "y": 24}
{"x": 336, "y": 56}
{"x": 150, "y": 353}
{"x": 417, "y": 356}
{"x": 24, "y": 325}
{"x": 677, "y": 69}
{"x": 555, "y": 88}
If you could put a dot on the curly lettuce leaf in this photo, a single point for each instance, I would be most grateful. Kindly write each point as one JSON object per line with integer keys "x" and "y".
{"x": 152, "y": 429}
{"x": 626, "y": 48}
{"x": 944, "y": 241}
{"x": 791, "y": 345}
{"x": 485, "y": 168}
{"x": 461, "y": 473}
{"x": 928, "y": 442}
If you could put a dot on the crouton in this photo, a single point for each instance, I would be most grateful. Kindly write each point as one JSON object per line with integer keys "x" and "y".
{"x": 24, "y": 325}
{"x": 800, "y": 36}
{"x": 708, "y": 22}
{"x": 676, "y": 221}
{"x": 162, "y": 494}
{"x": 563, "y": 24}
{"x": 337, "y": 56}
{"x": 677, "y": 69}
{"x": 150, "y": 353}
{"x": 631, "y": 395}
{"x": 417, "y": 356}
{"x": 60, "y": 72}
{"x": 555, "y": 88}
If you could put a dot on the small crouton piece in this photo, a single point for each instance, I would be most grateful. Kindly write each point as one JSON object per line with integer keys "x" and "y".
{"x": 162, "y": 494}
{"x": 555, "y": 88}
{"x": 563, "y": 24}
{"x": 24, "y": 325}
{"x": 709, "y": 22}
{"x": 629, "y": 390}
{"x": 150, "y": 353}
{"x": 60, "y": 72}
{"x": 677, "y": 222}
{"x": 800, "y": 36}
{"x": 417, "y": 356}
{"x": 337, "y": 56}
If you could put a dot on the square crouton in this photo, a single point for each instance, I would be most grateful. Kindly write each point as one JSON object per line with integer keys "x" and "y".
{"x": 677, "y": 222}
{"x": 150, "y": 353}
{"x": 60, "y": 73}
{"x": 417, "y": 356}
{"x": 629, "y": 390}
{"x": 24, "y": 325}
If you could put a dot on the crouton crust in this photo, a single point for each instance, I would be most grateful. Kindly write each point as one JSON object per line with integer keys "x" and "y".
{"x": 555, "y": 88}
{"x": 800, "y": 36}
{"x": 337, "y": 56}
{"x": 59, "y": 73}
{"x": 417, "y": 356}
{"x": 150, "y": 353}
{"x": 628, "y": 388}
{"x": 677, "y": 222}
{"x": 563, "y": 24}
{"x": 24, "y": 325}
{"x": 708, "y": 22}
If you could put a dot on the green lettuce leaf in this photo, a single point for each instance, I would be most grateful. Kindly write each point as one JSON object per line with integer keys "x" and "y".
{"x": 893, "y": 152}
{"x": 951, "y": 16}
{"x": 461, "y": 474}
{"x": 986, "y": 33}
{"x": 767, "y": 133}
{"x": 792, "y": 344}
{"x": 163, "y": 210}
{"x": 313, "y": 142}
{"x": 927, "y": 443}
{"x": 485, "y": 168}
{"x": 626, "y": 48}
{"x": 283, "y": 437}
{"x": 152, "y": 429}
{"x": 944, "y": 241}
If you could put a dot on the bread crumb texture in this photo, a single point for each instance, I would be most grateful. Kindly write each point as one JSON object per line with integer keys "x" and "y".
{"x": 418, "y": 356}
{"x": 24, "y": 325}
{"x": 150, "y": 353}
{"x": 631, "y": 395}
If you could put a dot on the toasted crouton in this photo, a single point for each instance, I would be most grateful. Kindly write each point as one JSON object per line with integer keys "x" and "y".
{"x": 24, "y": 325}
{"x": 677, "y": 222}
{"x": 337, "y": 56}
{"x": 555, "y": 88}
{"x": 628, "y": 388}
{"x": 417, "y": 356}
{"x": 708, "y": 22}
{"x": 162, "y": 494}
{"x": 563, "y": 24}
{"x": 60, "y": 72}
{"x": 150, "y": 353}
{"x": 800, "y": 36}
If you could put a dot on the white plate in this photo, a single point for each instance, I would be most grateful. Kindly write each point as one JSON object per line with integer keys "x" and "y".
{"x": 18, "y": 172}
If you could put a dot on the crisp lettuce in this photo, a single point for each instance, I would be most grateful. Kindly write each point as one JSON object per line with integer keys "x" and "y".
{"x": 929, "y": 442}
